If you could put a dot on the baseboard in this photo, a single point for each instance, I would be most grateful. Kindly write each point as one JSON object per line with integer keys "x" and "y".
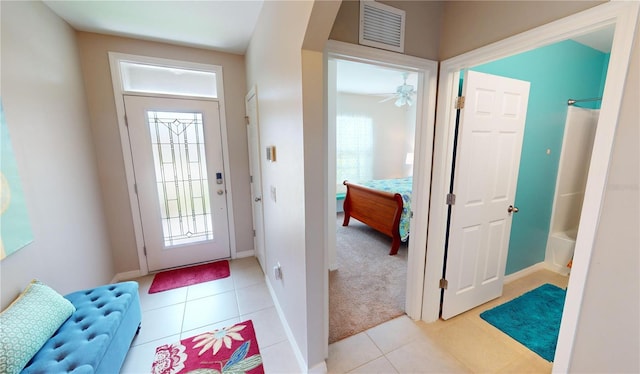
{"x": 294, "y": 345}
{"x": 243, "y": 254}
{"x": 127, "y": 275}
{"x": 524, "y": 272}
{"x": 562, "y": 270}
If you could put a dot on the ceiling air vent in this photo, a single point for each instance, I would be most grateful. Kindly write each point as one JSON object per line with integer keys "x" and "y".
{"x": 381, "y": 26}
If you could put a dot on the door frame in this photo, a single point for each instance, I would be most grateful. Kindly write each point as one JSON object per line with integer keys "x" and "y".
{"x": 423, "y": 151}
{"x": 118, "y": 91}
{"x": 624, "y": 16}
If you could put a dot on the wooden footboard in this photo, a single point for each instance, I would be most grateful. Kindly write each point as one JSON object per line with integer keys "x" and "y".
{"x": 380, "y": 210}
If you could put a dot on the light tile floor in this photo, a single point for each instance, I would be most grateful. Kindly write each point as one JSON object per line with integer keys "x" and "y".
{"x": 170, "y": 316}
{"x": 462, "y": 344}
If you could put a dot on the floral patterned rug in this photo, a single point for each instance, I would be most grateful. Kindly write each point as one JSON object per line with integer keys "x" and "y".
{"x": 231, "y": 349}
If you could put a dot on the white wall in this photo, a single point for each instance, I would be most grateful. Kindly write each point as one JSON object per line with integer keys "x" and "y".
{"x": 393, "y": 136}
{"x": 289, "y": 82}
{"x": 274, "y": 66}
{"x": 46, "y": 112}
{"x": 607, "y": 338}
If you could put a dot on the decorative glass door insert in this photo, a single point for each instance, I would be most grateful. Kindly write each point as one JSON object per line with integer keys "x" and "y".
{"x": 177, "y": 141}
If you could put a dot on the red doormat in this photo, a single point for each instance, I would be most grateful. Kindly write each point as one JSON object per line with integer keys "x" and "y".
{"x": 229, "y": 350}
{"x": 170, "y": 279}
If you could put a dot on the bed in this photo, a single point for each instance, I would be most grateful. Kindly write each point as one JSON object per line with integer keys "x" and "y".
{"x": 384, "y": 205}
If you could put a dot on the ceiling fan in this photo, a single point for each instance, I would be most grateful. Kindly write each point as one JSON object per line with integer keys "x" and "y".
{"x": 404, "y": 93}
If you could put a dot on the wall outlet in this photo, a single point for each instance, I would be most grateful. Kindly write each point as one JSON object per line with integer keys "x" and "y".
{"x": 277, "y": 271}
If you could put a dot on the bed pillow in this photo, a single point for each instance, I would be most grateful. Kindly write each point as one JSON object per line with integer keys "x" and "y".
{"x": 28, "y": 323}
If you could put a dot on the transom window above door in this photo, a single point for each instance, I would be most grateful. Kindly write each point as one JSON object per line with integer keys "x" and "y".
{"x": 154, "y": 79}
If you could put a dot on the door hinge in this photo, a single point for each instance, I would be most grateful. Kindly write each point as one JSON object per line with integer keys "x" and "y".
{"x": 451, "y": 199}
{"x": 411, "y": 214}
{"x": 251, "y": 179}
{"x": 460, "y": 102}
{"x": 126, "y": 121}
{"x": 135, "y": 188}
{"x": 144, "y": 249}
{"x": 444, "y": 283}
{"x": 246, "y": 119}
{"x": 254, "y": 233}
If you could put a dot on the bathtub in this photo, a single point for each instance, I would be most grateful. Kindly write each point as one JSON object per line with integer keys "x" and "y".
{"x": 560, "y": 247}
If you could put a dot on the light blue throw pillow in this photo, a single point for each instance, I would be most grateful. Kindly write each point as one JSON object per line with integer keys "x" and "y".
{"x": 28, "y": 323}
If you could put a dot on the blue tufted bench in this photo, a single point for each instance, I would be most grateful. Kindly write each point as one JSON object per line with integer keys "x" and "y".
{"x": 97, "y": 337}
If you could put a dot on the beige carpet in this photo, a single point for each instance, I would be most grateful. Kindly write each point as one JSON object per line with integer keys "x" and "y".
{"x": 369, "y": 286}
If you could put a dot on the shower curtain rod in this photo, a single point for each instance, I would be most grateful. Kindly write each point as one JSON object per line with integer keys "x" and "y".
{"x": 573, "y": 101}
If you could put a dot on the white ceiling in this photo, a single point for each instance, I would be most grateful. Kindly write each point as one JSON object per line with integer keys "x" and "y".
{"x": 224, "y": 25}
{"x": 600, "y": 39}
{"x": 359, "y": 78}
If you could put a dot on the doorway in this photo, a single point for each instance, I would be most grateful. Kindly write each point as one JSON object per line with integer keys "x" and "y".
{"x": 542, "y": 147}
{"x": 609, "y": 14}
{"x": 177, "y": 155}
{"x": 184, "y": 211}
{"x": 375, "y": 140}
{"x": 425, "y": 109}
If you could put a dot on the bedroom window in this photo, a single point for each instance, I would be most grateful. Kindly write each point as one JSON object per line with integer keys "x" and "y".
{"x": 354, "y": 148}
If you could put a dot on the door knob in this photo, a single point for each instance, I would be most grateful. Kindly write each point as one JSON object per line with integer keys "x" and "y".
{"x": 257, "y": 199}
{"x": 220, "y": 192}
{"x": 512, "y": 209}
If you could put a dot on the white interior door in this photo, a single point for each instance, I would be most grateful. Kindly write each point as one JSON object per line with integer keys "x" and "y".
{"x": 177, "y": 158}
{"x": 491, "y": 130}
{"x": 256, "y": 176}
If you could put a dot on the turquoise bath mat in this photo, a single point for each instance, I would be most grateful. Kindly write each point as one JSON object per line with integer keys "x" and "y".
{"x": 533, "y": 319}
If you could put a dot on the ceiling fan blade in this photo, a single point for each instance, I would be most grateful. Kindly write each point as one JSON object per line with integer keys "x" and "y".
{"x": 409, "y": 100}
{"x": 387, "y": 99}
{"x": 402, "y": 100}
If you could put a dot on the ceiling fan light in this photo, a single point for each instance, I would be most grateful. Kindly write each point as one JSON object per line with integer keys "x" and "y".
{"x": 402, "y": 100}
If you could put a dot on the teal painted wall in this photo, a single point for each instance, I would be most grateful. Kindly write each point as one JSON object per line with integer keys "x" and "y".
{"x": 556, "y": 72}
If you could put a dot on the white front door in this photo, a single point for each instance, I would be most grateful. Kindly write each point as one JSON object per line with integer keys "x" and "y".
{"x": 177, "y": 159}
{"x": 253, "y": 136}
{"x": 491, "y": 130}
